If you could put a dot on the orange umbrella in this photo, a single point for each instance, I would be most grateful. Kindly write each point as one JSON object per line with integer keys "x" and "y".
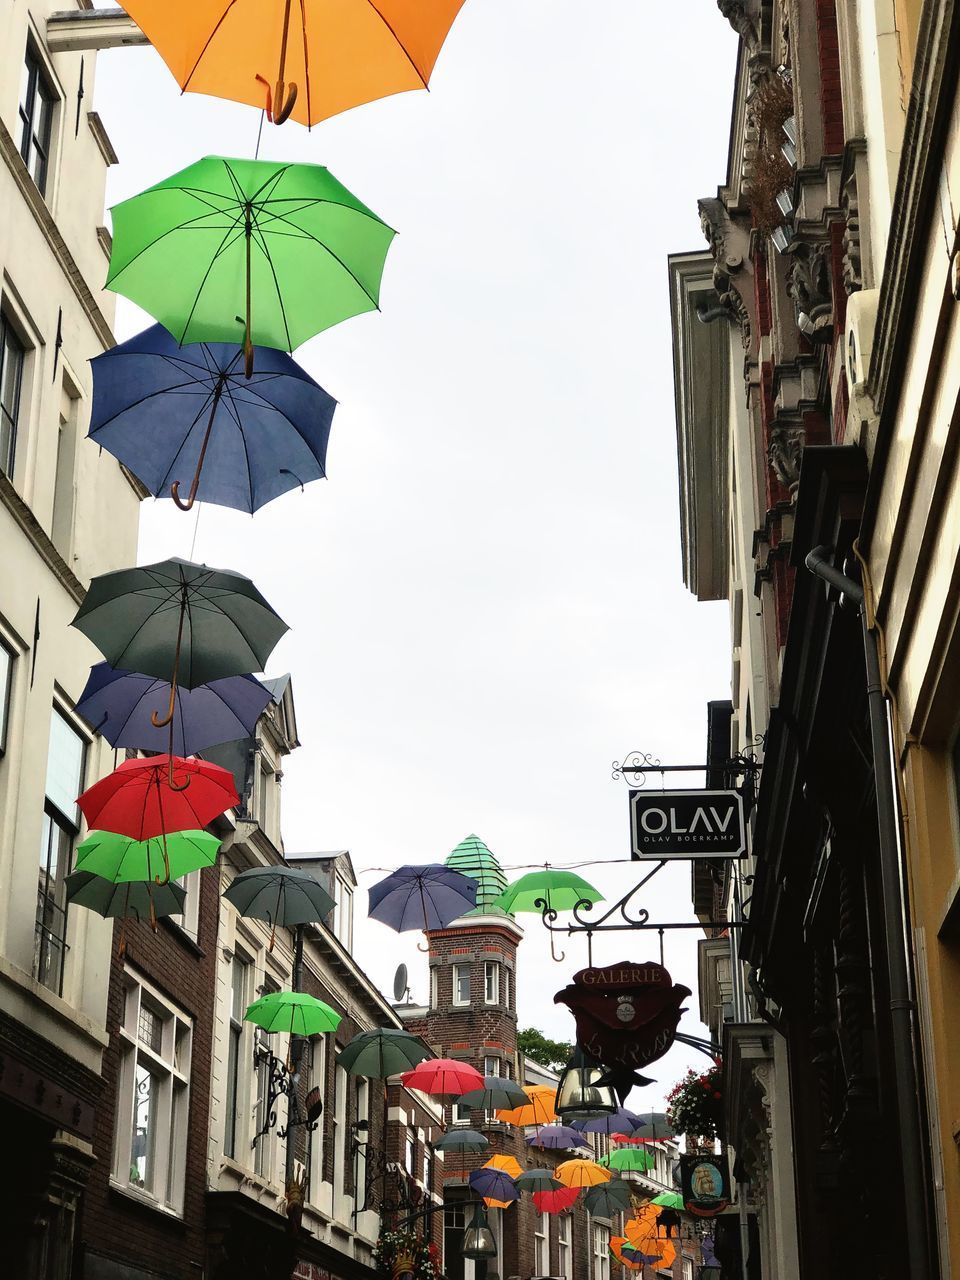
{"x": 307, "y": 58}
{"x": 507, "y": 1164}
{"x": 581, "y": 1173}
{"x": 539, "y": 1110}
{"x": 497, "y": 1204}
{"x": 616, "y": 1248}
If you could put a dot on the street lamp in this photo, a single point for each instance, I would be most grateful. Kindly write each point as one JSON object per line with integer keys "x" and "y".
{"x": 579, "y": 1088}
{"x": 478, "y": 1239}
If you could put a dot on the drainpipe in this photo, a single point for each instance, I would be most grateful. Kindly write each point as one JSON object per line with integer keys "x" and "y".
{"x": 296, "y": 1053}
{"x": 922, "y": 1258}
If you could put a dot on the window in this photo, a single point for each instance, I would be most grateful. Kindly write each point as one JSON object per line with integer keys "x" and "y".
{"x": 237, "y": 1049}
{"x": 6, "y": 685}
{"x": 12, "y": 356}
{"x": 343, "y": 911}
{"x": 434, "y": 986}
{"x": 687, "y": 1269}
{"x": 339, "y": 1130}
{"x": 37, "y": 101}
{"x": 601, "y": 1253}
{"x": 491, "y": 1067}
{"x": 507, "y": 975}
{"x": 491, "y": 982}
{"x": 61, "y": 822}
{"x": 265, "y": 785}
{"x": 361, "y": 1099}
{"x": 318, "y": 1080}
{"x": 64, "y": 491}
{"x": 461, "y": 1114}
{"x": 410, "y": 1152}
{"x": 150, "y": 1141}
{"x": 541, "y": 1246}
{"x": 461, "y": 984}
{"x": 189, "y": 919}
{"x": 265, "y": 1046}
{"x": 565, "y": 1246}
{"x": 427, "y": 1168}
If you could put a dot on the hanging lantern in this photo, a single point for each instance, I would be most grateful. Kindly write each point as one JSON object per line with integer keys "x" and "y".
{"x": 478, "y": 1240}
{"x": 579, "y": 1093}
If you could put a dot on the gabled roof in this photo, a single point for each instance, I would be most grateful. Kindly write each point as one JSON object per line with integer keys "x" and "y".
{"x": 472, "y": 858}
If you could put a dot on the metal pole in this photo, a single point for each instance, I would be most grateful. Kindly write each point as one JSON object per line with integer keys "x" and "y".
{"x": 296, "y": 1053}
{"x": 921, "y": 1260}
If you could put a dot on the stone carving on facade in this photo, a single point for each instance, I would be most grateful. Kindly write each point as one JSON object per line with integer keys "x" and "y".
{"x": 851, "y": 266}
{"x": 729, "y": 245}
{"x": 785, "y": 452}
{"x": 743, "y": 19}
{"x": 809, "y": 285}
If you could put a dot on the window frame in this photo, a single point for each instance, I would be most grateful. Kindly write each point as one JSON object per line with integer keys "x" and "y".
{"x": 600, "y": 1266}
{"x": 265, "y": 1046}
{"x": 51, "y": 891}
{"x": 188, "y": 920}
{"x": 315, "y": 1136}
{"x": 239, "y": 1052}
{"x": 491, "y": 969}
{"x": 541, "y": 1245}
{"x": 565, "y": 1246}
{"x": 10, "y": 418}
{"x": 455, "y": 971}
{"x": 39, "y": 88}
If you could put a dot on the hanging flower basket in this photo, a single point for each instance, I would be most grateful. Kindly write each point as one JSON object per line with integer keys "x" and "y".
{"x": 406, "y": 1253}
{"x": 695, "y": 1104}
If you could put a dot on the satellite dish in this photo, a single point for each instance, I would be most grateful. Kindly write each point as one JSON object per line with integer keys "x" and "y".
{"x": 400, "y": 988}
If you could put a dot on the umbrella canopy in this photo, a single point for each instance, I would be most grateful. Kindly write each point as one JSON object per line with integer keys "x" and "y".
{"x": 382, "y": 1053}
{"x": 497, "y": 1091}
{"x": 494, "y": 1184}
{"x": 462, "y": 1140}
{"x": 119, "y": 704}
{"x": 628, "y": 1160}
{"x": 539, "y": 1110}
{"x": 557, "y": 1200}
{"x": 286, "y": 247}
{"x": 282, "y": 896}
{"x": 426, "y": 897}
{"x": 120, "y": 858}
{"x": 292, "y": 1011}
{"x": 443, "y": 1077}
{"x": 537, "y": 1180}
{"x": 608, "y": 1124}
{"x": 607, "y": 1198}
{"x": 625, "y": 1254}
{"x": 560, "y": 890}
{"x": 326, "y": 58}
{"x": 581, "y": 1173}
{"x": 180, "y": 621}
{"x": 506, "y": 1164}
{"x": 137, "y": 799}
{"x": 128, "y": 900}
{"x": 668, "y": 1200}
{"x": 653, "y": 1125}
{"x": 557, "y": 1137}
{"x": 190, "y": 425}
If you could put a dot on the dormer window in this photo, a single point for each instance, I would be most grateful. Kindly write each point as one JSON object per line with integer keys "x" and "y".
{"x": 343, "y": 910}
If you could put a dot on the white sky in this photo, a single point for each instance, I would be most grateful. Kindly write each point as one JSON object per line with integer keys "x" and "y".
{"x": 485, "y": 596}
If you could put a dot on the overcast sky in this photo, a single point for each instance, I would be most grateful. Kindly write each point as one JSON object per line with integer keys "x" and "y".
{"x": 485, "y": 596}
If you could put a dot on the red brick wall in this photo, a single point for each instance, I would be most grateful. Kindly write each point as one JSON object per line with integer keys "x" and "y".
{"x": 831, "y": 101}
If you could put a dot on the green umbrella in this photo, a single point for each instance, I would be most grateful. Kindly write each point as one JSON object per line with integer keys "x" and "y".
{"x": 628, "y": 1160}
{"x": 607, "y": 1199}
{"x": 382, "y": 1052}
{"x": 560, "y": 890}
{"x": 467, "y": 1140}
{"x": 130, "y": 899}
{"x": 120, "y": 858}
{"x": 668, "y": 1200}
{"x": 537, "y": 1180}
{"x": 292, "y": 1011}
{"x": 254, "y": 250}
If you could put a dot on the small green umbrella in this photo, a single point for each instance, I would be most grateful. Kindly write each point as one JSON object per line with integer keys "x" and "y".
{"x": 256, "y": 251}
{"x": 120, "y": 858}
{"x": 537, "y": 1180}
{"x": 607, "y": 1199}
{"x": 467, "y": 1140}
{"x": 128, "y": 900}
{"x": 668, "y": 1200}
{"x": 560, "y": 890}
{"x": 292, "y": 1011}
{"x": 381, "y": 1053}
{"x": 628, "y": 1160}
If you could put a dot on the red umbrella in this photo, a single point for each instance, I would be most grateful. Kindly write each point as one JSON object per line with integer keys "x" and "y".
{"x": 137, "y": 799}
{"x": 555, "y": 1201}
{"x": 443, "y": 1077}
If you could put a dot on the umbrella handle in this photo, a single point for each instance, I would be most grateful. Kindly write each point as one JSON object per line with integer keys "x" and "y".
{"x": 165, "y": 878}
{"x": 173, "y": 787}
{"x": 553, "y": 951}
{"x": 155, "y": 718}
{"x": 424, "y": 949}
{"x": 286, "y": 104}
{"x": 195, "y": 482}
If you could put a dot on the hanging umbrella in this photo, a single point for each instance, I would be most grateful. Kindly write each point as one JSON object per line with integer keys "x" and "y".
{"x": 624, "y": 1255}
{"x": 497, "y": 1091}
{"x": 304, "y": 61}
{"x": 187, "y": 419}
{"x": 282, "y": 896}
{"x": 269, "y": 252}
{"x": 668, "y": 1200}
{"x": 557, "y": 1200}
{"x": 607, "y": 1198}
{"x": 462, "y": 1140}
{"x": 121, "y": 859}
{"x": 581, "y": 1173}
{"x": 130, "y": 899}
{"x": 653, "y": 1125}
{"x": 539, "y": 1110}
{"x": 560, "y": 890}
{"x": 119, "y": 704}
{"x": 641, "y": 1229}
{"x": 608, "y": 1124}
{"x": 427, "y": 897}
{"x": 628, "y": 1160}
{"x": 443, "y": 1077}
{"x": 292, "y": 1011}
{"x": 381, "y": 1053}
{"x": 537, "y": 1180}
{"x": 557, "y": 1137}
{"x": 506, "y": 1164}
{"x": 495, "y": 1184}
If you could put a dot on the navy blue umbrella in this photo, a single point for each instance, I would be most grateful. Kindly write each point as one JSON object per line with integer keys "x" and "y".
{"x": 118, "y": 704}
{"x": 188, "y": 418}
{"x": 622, "y": 1121}
{"x": 422, "y": 897}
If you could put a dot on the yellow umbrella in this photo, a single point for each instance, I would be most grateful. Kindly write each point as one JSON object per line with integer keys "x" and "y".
{"x": 539, "y": 1110}
{"x": 507, "y": 1165}
{"x": 581, "y": 1173}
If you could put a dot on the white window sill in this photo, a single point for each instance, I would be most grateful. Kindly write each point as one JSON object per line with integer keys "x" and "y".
{"x": 144, "y": 1198}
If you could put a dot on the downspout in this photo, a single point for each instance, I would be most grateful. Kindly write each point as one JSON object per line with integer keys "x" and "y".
{"x": 296, "y": 1054}
{"x": 922, "y": 1259}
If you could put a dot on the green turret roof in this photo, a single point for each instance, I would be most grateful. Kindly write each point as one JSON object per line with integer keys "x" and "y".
{"x": 472, "y": 858}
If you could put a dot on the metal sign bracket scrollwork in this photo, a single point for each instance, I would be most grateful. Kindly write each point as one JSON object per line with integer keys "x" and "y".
{"x": 281, "y": 1083}
{"x": 636, "y": 766}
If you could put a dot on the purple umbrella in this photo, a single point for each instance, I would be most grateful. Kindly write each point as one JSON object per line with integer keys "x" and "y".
{"x": 621, "y": 1121}
{"x": 557, "y": 1137}
{"x": 118, "y": 705}
{"x": 494, "y": 1183}
{"x": 422, "y": 897}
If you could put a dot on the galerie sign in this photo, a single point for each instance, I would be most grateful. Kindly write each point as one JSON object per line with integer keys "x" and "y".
{"x": 626, "y": 1014}
{"x": 687, "y": 824}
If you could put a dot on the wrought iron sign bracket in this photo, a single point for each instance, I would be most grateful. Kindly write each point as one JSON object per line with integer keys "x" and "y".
{"x": 281, "y": 1083}
{"x": 744, "y": 765}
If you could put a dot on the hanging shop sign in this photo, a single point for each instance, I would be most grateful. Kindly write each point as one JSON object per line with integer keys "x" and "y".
{"x": 687, "y": 824}
{"x": 705, "y": 1184}
{"x": 626, "y": 1014}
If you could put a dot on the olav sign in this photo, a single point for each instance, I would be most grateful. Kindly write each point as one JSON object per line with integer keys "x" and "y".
{"x": 687, "y": 824}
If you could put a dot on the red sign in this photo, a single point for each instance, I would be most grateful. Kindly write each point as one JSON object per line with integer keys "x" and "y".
{"x": 626, "y": 1014}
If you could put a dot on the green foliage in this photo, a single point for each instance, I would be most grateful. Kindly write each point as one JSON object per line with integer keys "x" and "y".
{"x": 549, "y": 1053}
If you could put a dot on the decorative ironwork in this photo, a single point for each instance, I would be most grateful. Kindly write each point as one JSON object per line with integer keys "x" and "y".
{"x": 281, "y": 1083}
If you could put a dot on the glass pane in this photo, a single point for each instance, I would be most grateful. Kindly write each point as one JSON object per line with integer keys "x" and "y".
{"x": 64, "y": 768}
{"x": 143, "y": 1145}
{"x": 239, "y": 989}
{"x": 6, "y": 658}
{"x": 11, "y": 367}
{"x": 233, "y": 1066}
{"x": 150, "y": 1029}
{"x": 27, "y": 91}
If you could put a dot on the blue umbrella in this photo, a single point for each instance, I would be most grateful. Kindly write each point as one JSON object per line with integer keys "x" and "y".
{"x": 188, "y": 418}
{"x": 118, "y": 704}
{"x": 557, "y": 1137}
{"x": 493, "y": 1183}
{"x": 422, "y": 897}
{"x": 622, "y": 1121}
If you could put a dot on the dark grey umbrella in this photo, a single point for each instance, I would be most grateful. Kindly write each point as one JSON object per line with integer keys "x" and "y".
{"x": 498, "y": 1094}
{"x": 462, "y": 1140}
{"x": 279, "y": 895}
{"x": 607, "y": 1198}
{"x": 132, "y": 899}
{"x": 383, "y": 1052}
{"x": 537, "y": 1180}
